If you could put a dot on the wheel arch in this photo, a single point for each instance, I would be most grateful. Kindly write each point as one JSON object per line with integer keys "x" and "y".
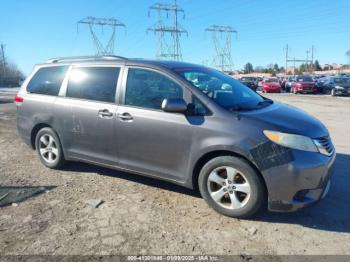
{"x": 35, "y": 131}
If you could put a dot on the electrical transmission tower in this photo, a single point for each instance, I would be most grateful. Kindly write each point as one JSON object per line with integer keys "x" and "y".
{"x": 92, "y": 22}
{"x": 170, "y": 49}
{"x": 222, "y": 38}
{"x": 308, "y": 62}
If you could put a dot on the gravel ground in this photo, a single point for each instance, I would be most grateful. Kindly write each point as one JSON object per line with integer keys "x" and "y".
{"x": 145, "y": 216}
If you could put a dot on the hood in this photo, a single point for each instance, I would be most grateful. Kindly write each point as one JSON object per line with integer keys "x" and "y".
{"x": 288, "y": 119}
{"x": 345, "y": 85}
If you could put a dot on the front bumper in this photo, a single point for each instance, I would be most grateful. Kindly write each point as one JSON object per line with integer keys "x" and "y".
{"x": 272, "y": 90}
{"x": 345, "y": 92}
{"x": 300, "y": 183}
{"x": 306, "y": 90}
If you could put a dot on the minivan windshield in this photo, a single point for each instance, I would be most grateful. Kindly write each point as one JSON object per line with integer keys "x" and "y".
{"x": 341, "y": 80}
{"x": 223, "y": 89}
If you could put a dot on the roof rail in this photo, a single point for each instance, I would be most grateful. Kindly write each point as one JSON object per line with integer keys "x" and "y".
{"x": 85, "y": 58}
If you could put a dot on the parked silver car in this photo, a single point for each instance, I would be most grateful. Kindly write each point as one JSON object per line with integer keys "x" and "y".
{"x": 184, "y": 123}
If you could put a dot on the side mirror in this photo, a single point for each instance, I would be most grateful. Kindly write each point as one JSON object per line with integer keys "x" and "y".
{"x": 174, "y": 105}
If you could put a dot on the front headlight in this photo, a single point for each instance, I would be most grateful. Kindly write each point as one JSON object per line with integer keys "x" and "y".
{"x": 339, "y": 87}
{"x": 290, "y": 140}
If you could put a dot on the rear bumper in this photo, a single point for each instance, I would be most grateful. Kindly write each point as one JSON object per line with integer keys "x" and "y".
{"x": 300, "y": 183}
{"x": 23, "y": 130}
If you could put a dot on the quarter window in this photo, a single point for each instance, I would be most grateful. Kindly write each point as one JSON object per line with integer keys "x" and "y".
{"x": 148, "y": 89}
{"x": 47, "y": 80}
{"x": 93, "y": 83}
{"x": 197, "y": 108}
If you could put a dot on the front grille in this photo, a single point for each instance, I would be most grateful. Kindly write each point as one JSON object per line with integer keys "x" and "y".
{"x": 325, "y": 145}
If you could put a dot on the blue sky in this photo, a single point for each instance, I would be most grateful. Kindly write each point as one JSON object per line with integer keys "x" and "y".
{"x": 35, "y": 30}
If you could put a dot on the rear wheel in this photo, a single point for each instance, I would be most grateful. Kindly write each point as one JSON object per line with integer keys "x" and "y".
{"x": 49, "y": 148}
{"x": 231, "y": 186}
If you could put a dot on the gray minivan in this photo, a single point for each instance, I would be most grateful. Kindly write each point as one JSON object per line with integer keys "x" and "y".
{"x": 180, "y": 122}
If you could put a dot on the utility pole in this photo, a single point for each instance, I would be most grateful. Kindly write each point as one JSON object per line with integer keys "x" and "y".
{"x": 165, "y": 48}
{"x": 286, "y": 71}
{"x": 312, "y": 58}
{"x": 307, "y": 59}
{"x": 100, "y": 49}
{"x": 2, "y": 47}
{"x": 222, "y": 58}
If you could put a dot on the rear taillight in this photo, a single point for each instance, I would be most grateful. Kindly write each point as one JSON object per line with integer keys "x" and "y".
{"x": 18, "y": 100}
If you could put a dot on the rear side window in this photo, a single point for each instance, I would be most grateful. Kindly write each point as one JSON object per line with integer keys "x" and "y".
{"x": 47, "y": 80}
{"x": 93, "y": 83}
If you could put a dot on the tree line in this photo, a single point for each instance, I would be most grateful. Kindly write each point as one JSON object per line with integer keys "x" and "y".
{"x": 10, "y": 75}
{"x": 274, "y": 69}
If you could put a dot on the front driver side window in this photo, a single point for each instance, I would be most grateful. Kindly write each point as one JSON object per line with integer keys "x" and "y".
{"x": 148, "y": 89}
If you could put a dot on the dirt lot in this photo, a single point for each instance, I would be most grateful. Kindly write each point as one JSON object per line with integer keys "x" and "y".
{"x": 145, "y": 216}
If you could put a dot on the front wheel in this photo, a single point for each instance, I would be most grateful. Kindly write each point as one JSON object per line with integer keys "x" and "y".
{"x": 231, "y": 187}
{"x": 49, "y": 148}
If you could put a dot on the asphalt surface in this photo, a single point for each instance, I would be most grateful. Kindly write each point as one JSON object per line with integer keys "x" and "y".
{"x": 145, "y": 216}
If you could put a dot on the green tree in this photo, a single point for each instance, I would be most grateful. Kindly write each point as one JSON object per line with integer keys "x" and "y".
{"x": 248, "y": 68}
{"x": 276, "y": 68}
{"x": 317, "y": 66}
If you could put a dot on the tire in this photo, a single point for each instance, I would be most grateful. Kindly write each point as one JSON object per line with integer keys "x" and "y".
{"x": 241, "y": 177}
{"x": 49, "y": 148}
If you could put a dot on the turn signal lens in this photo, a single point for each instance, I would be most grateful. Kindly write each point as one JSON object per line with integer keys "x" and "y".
{"x": 273, "y": 136}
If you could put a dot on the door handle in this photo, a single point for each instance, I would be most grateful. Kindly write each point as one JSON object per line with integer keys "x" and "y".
{"x": 125, "y": 117}
{"x": 105, "y": 113}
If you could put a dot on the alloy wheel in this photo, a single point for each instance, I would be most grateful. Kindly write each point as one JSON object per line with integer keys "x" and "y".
{"x": 228, "y": 187}
{"x": 48, "y": 148}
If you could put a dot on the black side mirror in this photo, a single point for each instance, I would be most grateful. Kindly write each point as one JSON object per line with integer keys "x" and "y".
{"x": 174, "y": 105}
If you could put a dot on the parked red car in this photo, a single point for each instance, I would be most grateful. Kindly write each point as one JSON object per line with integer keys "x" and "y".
{"x": 303, "y": 84}
{"x": 271, "y": 85}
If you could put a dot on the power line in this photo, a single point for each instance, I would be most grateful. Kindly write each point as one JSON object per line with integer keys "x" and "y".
{"x": 222, "y": 42}
{"x": 165, "y": 49}
{"x": 294, "y": 60}
{"x": 101, "y": 49}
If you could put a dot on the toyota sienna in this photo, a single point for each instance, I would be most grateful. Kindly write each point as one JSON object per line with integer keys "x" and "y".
{"x": 180, "y": 122}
